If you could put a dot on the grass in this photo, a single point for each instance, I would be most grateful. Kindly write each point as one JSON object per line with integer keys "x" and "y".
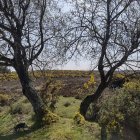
{"x": 64, "y": 129}
{"x": 8, "y": 119}
{"x": 67, "y": 112}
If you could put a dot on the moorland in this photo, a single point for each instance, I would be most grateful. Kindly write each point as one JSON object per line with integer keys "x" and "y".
{"x": 62, "y": 92}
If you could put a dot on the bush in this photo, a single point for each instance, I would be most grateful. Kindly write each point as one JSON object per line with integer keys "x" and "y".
{"x": 118, "y": 76}
{"x": 132, "y": 85}
{"x": 49, "y": 93}
{"x": 20, "y": 108}
{"x": 79, "y": 119}
{"x": 9, "y": 76}
{"x": 4, "y": 99}
{"x": 117, "y": 81}
{"x": 87, "y": 88}
{"x": 119, "y": 109}
{"x": 90, "y": 82}
{"x": 49, "y": 118}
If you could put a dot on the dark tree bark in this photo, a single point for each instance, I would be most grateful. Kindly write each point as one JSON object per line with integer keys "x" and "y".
{"x": 92, "y": 99}
{"x": 28, "y": 89}
{"x": 103, "y": 133}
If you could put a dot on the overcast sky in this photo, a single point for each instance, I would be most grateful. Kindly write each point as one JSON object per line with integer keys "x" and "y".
{"x": 79, "y": 65}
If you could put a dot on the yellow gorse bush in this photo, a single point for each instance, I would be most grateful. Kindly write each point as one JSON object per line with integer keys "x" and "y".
{"x": 90, "y": 82}
{"x": 121, "y": 76}
{"x": 111, "y": 119}
{"x": 114, "y": 124}
{"x": 79, "y": 119}
{"x": 49, "y": 117}
{"x": 132, "y": 85}
{"x": 9, "y": 76}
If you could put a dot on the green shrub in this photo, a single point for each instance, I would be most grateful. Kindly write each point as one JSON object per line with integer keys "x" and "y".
{"x": 18, "y": 109}
{"x": 119, "y": 108}
{"x": 49, "y": 93}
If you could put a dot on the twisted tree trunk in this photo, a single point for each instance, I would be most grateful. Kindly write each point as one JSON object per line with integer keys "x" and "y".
{"x": 29, "y": 91}
{"x": 92, "y": 99}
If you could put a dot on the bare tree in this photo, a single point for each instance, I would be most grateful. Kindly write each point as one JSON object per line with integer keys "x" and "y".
{"x": 108, "y": 32}
{"x": 26, "y": 28}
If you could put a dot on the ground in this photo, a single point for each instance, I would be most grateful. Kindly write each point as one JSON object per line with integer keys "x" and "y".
{"x": 15, "y": 109}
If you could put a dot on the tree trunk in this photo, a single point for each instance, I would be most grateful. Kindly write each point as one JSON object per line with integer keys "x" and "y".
{"x": 37, "y": 103}
{"x": 30, "y": 92}
{"x": 103, "y": 133}
{"x": 92, "y": 99}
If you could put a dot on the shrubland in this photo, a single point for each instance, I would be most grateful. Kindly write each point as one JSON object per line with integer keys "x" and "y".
{"x": 63, "y": 122}
{"x": 119, "y": 111}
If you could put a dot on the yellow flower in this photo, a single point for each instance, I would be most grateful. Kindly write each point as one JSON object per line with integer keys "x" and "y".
{"x": 90, "y": 82}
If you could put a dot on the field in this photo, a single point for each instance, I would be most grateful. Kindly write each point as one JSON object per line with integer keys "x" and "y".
{"x": 71, "y": 87}
{"x": 62, "y": 92}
